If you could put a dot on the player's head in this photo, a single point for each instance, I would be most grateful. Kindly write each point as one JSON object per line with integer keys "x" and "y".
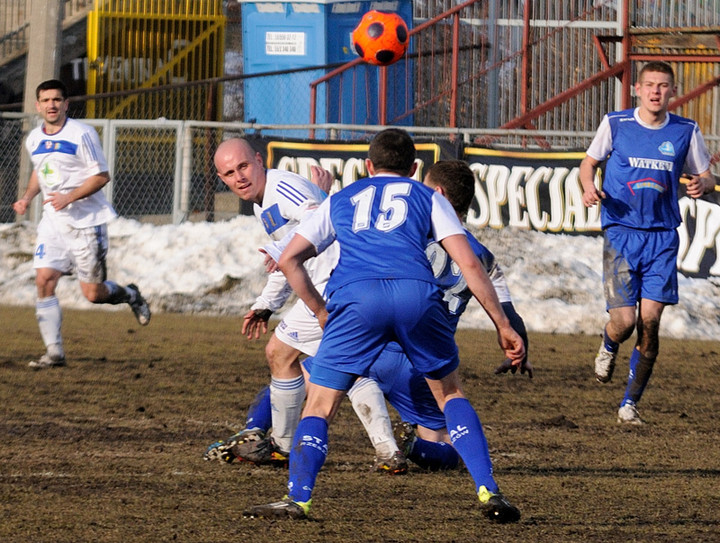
{"x": 52, "y": 84}
{"x": 241, "y": 168}
{"x": 654, "y": 88}
{"x": 659, "y": 67}
{"x": 455, "y": 180}
{"x": 392, "y": 151}
{"x": 51, "y": 102}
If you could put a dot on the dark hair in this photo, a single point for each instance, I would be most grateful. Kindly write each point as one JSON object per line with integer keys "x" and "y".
{"x": 658, "y": 66}
{"x": 392, "y": 150}
{"x": 52, "y": 84}
{"x": 457, "y": 181}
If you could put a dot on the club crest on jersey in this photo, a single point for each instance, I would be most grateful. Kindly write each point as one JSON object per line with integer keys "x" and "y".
{"x": 667, "y": 148}
{"x": 272, "y": 219}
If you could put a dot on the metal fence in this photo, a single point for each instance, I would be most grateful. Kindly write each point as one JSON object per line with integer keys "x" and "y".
{"x": 162, "y": 171}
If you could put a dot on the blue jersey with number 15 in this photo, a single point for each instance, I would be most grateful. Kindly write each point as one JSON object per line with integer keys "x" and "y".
{"x": 383, "y": 225}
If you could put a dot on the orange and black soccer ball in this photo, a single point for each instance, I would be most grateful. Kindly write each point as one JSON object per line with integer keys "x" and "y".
{"x": 381, "y": 37}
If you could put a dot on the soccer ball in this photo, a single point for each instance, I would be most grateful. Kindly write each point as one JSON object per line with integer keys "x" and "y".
{"x": 380, "y": 38}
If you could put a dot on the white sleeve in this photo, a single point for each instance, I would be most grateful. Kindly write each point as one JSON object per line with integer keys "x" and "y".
{"x": 274, "y": 294}
{"x": 444, "y": 219}
{"x": 318, "y": 228}
{"x": 698, "y": 157}
{"x": 602, "y": 142}
{"x": 91, "y": 153}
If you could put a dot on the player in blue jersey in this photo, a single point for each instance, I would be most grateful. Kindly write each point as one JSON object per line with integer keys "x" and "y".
{"x": 382, "y": 290}
{"x": 281, "y": 199}
{"x": 646, "y": 150}
{"x": 69, "y": 171}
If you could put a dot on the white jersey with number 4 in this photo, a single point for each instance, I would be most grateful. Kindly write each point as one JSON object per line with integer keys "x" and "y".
{"x": 65, "y": 160}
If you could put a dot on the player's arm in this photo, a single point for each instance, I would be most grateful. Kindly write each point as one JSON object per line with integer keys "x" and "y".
{"x": 482, "y": 288}
{"x": 291, "y": 264}
{"x": 90, "y": 186}
{"x": 32, "y": 190}
{"x": 588, "y": 169}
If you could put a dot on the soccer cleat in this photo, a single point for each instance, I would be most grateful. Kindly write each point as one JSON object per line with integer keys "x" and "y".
{"x": 262, "y": 452}
{"x": 604, "y": 365}
{"x": 395, "y": 465}
{"x": 404, "y": 436}
{"x": 282, "y": 509}
{"x": 139, "y": 306}
{"x": 497, "y": 508}
{"x": 222, "y": 450}
{"x": 48, "y": 361}
{"x": 628, "y": 414}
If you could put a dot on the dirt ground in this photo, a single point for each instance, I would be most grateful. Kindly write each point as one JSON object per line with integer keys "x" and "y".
{"x": 109, "y": 448}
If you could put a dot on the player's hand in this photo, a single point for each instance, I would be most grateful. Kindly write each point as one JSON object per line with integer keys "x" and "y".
{"x": 255, "y": 323}
{"x": 697, "y": 186}
{"x": 508, "y": 366}
{"x": 513, "y": 345}
{"x": 57, "y": 200}
{"x": 269, "y": 263}
{"x": 592, "y": 197}
{"x": 322, "y": 178}
{"x": 20, "y": 207}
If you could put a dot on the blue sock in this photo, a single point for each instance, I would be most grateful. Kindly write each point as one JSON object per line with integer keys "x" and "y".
{"x": 434, "y": 456}
{"x": 260, "y": 414}
{"x": 467, "y": 437}
{"x": 307, "y": 456}
{"x": 640, "y": 370}
{"x": 610, "y": 345}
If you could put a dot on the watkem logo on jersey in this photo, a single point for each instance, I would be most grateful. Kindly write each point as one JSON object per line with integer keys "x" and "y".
{"x": 647, "y": 183}
{"x": 651, "y": 164}
{"x": 667, "y": 148}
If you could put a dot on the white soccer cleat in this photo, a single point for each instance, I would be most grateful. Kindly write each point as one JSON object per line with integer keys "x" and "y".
{"x": 628, "y": 414}
{"x": 54, "y": 357}
{"x": 604, "y": 365}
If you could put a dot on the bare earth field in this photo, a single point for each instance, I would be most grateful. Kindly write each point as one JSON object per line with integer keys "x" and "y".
{"x": 109, "y": 448}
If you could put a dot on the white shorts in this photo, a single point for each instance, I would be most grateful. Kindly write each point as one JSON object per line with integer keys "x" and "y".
{"x": 67, "y": 249}
{"x": 300, "y": 329}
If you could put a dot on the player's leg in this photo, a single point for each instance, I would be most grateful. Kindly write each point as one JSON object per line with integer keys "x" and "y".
{"x": 622, "y": 291}
{"x": 308, "y": 454}
{"x": 642, "y": 360}
{"x": 49, "y": 317}
{"x": 658, "y": 256}
{"x": 429, "y": 449}
{"x": 468, "y": 438}
{"x": 287, "y": 391}
{"x": 369, "y": 405}
{"x": 51, "y": 261}
{"x": 89, "y": 247}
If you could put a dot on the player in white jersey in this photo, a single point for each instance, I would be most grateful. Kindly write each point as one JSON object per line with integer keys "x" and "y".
{"x": 645, "y": 149}
{"x": 69, "y": 169}
{"x": 281, "y": 199}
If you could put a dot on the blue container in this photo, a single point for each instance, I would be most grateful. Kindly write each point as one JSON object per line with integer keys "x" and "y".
{"x": 290, "y": 35}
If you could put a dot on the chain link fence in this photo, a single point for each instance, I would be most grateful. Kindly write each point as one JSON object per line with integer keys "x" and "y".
{"x": 162, "y": 171}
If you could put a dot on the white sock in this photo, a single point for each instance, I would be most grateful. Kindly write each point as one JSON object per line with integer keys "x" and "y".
{"x": 49, "y": 317}
{"x": 369, "y": 404}
{"x": 286, "y": 400}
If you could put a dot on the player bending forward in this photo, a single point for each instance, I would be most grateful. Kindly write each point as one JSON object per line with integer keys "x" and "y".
{"x": 383, "y": 289}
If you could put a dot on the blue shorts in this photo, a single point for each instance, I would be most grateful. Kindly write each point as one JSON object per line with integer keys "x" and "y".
{"x": 640, "y": 264}
{"x": 364, "y": 316}
{"x": 406, "y": 390}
